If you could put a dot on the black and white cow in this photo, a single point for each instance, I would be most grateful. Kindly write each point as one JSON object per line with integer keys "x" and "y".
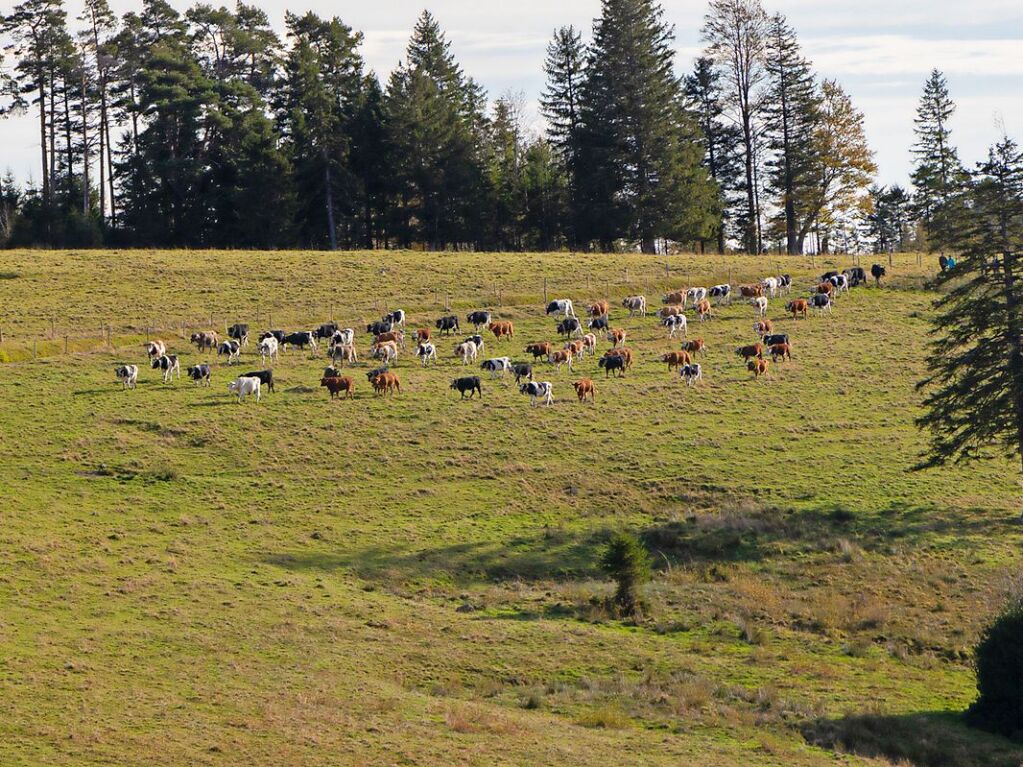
{"x": 676, "y": 324}
{"x": 478, "y": 319}
{"x": 155, "y": 349}
{"x": 538, "y": 391}
{"x": 570, "y": 326}
{"x": 396, "y": 318}
{"x": 497, "y": 367}
{"x": 201, "y": 374}
{"x": 427, "y": 353}
{"x": 169, "y": 364}
{"x": 469, "y": 385}
{"x": 691, "y": 374}
{"x": 478, "y": 340}
{"x": 721, "y": 293}
{"x": 268, "y": 347}
{"x": 774, "y": 339}
{"x": 379, "y": 327}
{"x": 276, "y": 334}
{"x": 821, "y": 303}
{"x": 239, "y": 332}
{"x": 877, "y": 272}
{"x": 602, "y": 324}
{"x": 326, "y": 331}
{"x": 522, "y": 370}
{"x": 561, "y": 306}
{"x": 301, "y": 339}
{"x": 841, "y": 283}
{"x": 785, "y": 283}
{"x": 127, "y": 375}
{"x": 266, "y": 378}
{"x": 447, "y": 325}
{"x": 231, "y": 349}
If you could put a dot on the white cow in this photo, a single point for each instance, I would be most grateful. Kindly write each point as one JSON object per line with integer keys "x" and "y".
{"x": 770, "y": 286}
{"x": 561, "y": 306}
{"x": 155, "y": 349}
{"x": 695, "y": 295}
{"x": 344, "y": 337}
{"x": 128, "y": 376}
{"x": 268, "y": 347}
{"x": 467, "y": 352}
{"x": 759, "y": 304}
{"x": 635, "y": 305}
{"x": 244, "y": 386}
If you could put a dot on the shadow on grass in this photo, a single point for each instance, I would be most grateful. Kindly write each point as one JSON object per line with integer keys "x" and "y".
{"x": 929, "y": 739}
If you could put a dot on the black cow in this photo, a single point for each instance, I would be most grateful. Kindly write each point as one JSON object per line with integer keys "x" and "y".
{"x": 470, "y": 385}
{"x": 568, "y": 326}
{"x": 612, "y": 364}
{"x": 266, "y": 378}
{"x": 478, "y": 319}
{"x": 447, "y": 325}
{"x": 240, "y": 333}
{"x": 828, "y": 275}
{"x": 327, "y": 330}
{"x": 522, "y": 370}
{"x": 775, "y": 339}
{"x": 877, "y": 272}
{"x": 201, "y": 374}
{"x": 857, "y": 276}
{"x": 380, "y": 326}
{"x": 302, "y": 339}
{"x": 821, "y": 301}
{"x": 600, "y": 323}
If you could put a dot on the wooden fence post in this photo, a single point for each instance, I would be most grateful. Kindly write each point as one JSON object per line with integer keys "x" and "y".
{"x": 65, "y": 344}
{"x": 35, "y": 349}
{"x": 52, "y": 328}
{"x": 667, "y": 271}
{"x": 545, "y": 302}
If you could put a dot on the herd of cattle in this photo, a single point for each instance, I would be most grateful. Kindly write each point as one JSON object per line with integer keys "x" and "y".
{"x": 578, "y": 340}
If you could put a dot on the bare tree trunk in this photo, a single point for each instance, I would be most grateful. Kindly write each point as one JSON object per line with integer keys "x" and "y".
{"x": 85, "y": 147}
{"x": 329, "y": 201}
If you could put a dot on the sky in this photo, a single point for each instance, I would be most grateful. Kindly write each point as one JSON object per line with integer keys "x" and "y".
{"x": 880, "y": 50}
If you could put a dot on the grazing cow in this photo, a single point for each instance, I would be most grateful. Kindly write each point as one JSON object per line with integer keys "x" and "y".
{"x": 343, "y": 353}
{"x": 695, "y": 295}
{"x": 678, "y": 298}
{"x": 230, "y": 349}
{"x": 599, "y": 309}
{"x": 612, "y": 365}
{"x": 600, "y": 323}
{"x": 704, "y": 310}
{"x": 398, "y": 336}
{"x": 522, "y": 370}
{"x": 751, "y": 291}
{"x": 577, "y": 347}
{"x": 825, "y": 289}
{"x": 386, "y": 351}
{"x": 561, "y": 306}
{"x": 877, "y": 272}
{"x": 268, "y": 347}
{"x": 758, "y": 367}
{"x": 467, "y": 352}
{"x": 246, "y": 386}
{"x": 396, "y": 318}
{"x": 127, "y": 376}
{"x": 470, "y": 385}
{"x": 635, "y": 305}
{"x": 538, "y": 391}
{"x": 841, "y": 283}
{"x": 677, "y": 324}
{"x": 301, "y": 339}
{"x": 266, "y": 378}
{"x": 750, "y": 351}
{"x": 697, "y": 346}
{"x": 169, "y": 364}
{"x": 386, "y": 383}
{"x": 201, "y": 374}
{"x": 821, "y": 303}
{"x": 205, "y": 341}
{"x": 371, "y": 374}
{"x": 763, "y": 327}
{"x": 584, "y": 388}
{"x": 590, "y": 344}
{"x": 759, "y": 305}
{"x": 239, "y": 332}
{"x": 826, "y": 277}
{"x": 770, "y": 286}
{"x": 478, "y": 340}
{"x": 857, "y": 276}
{"x": 342, "y": 386}
{"x": 156, "y": 349}
{"x": 478, "y": 319}
{"x": 625, "y": 354}
{"x": 570, "y": 326}
{"x": 422, "y": 335}
{"x": 381, "y": 326}
{"x": 278, "y": 335}
{"x": 326, "y": 331}
{"x": 785, "y": 283}
{"x": 616, "y": 337}
{"x": 676, "y": 360}
{"x": 721, "y": 294}
{"x": 798, "y": 307}
{"x": 670, "y": 311}
{"x": 539, "y": 351}
{"x": 691, "y": 374}
{"x": 781, "y": 352}
{"x": 497, "y": 367}
{"x": 427, "y": 353}
{"x": 502, "y": 330}
{"x": 775, "y": 339}
{"x": 560, "y": 358}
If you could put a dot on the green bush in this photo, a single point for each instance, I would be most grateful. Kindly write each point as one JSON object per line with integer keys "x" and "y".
{"x": 999, "y": 662}
{"x": 628, "y": 563}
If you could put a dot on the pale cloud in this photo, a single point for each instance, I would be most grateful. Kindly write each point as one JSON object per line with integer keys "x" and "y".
{"x": 900, "y": 55}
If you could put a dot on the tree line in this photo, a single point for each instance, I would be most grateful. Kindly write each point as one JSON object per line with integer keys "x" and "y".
{"x": 207, "y": 129}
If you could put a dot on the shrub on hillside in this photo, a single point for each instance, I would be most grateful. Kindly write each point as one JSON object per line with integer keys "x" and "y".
{"x": 999, "y": 662}
{"x": 628, "y": 563}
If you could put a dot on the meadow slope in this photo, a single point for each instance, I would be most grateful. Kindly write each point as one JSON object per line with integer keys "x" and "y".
{"x": 413, "y": 580}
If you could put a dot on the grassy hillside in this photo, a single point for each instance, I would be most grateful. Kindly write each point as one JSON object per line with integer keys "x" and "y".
{"x": 189, "y": 581}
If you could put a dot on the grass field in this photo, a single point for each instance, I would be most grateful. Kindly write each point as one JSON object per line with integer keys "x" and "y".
{"x": 414, "y": 581}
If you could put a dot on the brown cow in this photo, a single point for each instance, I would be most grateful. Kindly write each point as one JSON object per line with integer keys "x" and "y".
{"x": 758, "y": 367}
{"x": 422, "y": 335}
{"x": 540, "y": 351}
{"x": 599, "y": 309}
{"x": 748, "y": 352}
{"x": 676, "y": 360}
{"x": 560, "y": 358}
{"x": 704, "y": 309}
{"x": 751, "y": 291}
{"x": 502, "y": 329}
{"x": 397, "y": 336}
{"x": 798, "y": 307}
{"x": 339, "y": 386}
{"x": 763, "y": 327}
{"x": 826, "y": 288}
{"x": 386, "y": 383}
{"x": 781, "y": 352}
{"x": 584, "y": 389}
{"x": 697, "y": 346}
{"x": 670, "y": 311}
{"x": 616, "y": 337}
{"x": 678, "y": 298}
{"x": 625, "y": 354}
{"x": 577, "y": 347}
